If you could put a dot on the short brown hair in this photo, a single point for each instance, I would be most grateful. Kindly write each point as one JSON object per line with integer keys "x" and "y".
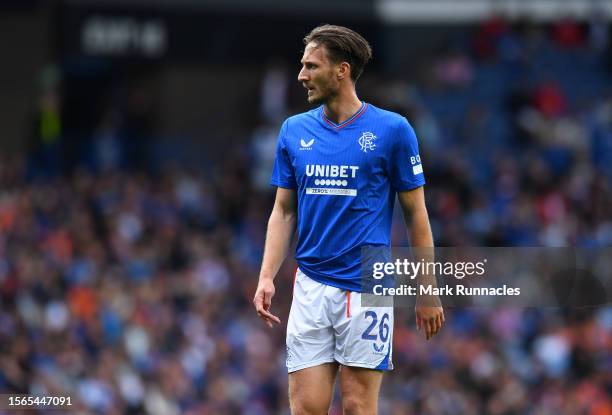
{"x": 343, "y": 45}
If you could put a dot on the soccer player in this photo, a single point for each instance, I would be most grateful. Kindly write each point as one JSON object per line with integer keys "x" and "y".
{"x": 338, "y": 168}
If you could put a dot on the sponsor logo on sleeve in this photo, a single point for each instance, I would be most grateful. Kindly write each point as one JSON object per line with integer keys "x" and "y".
{"x": 417, "y": 167}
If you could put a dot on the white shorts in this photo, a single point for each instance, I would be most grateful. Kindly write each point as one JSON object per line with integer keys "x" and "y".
{"x": 328, "y": 324}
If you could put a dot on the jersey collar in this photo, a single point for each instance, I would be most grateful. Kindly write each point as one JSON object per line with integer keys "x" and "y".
{"x": 335, "y": 126}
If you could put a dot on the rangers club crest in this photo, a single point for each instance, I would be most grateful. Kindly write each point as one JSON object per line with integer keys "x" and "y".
{"x": 366, "y": 141}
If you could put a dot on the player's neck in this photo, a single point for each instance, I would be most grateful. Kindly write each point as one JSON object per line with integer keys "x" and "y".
{"x": 342, "y": 107}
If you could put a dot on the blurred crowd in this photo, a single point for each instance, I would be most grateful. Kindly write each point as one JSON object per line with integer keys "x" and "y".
{"x": 515, "y": 129}
{"x": 131, "y": 290}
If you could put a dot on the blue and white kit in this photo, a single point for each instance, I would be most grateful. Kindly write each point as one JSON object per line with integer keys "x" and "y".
{"x": 346, "y": 177}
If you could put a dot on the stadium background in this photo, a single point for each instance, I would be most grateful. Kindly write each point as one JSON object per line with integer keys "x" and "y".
{"x": 137, "y": 142}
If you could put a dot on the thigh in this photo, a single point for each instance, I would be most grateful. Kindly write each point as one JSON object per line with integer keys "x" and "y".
{"x": 311, "y": 389}
{"x": 360, "y": 388}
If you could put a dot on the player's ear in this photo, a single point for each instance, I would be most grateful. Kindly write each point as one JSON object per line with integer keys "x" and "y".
{"x": 344, "y": 70}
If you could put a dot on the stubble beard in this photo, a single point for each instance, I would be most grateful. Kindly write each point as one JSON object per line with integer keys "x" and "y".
{"x": 325, "y": 95}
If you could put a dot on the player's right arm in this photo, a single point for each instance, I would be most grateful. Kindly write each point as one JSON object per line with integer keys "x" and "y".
{"x": 281, "y": 228}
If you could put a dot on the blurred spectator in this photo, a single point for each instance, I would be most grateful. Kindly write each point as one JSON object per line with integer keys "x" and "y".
{"x": 568, "y": 33}
{"x": 549, "y": 99}
{"x": 45, "y": 140}
{"x": 107, "y": 145}
{"x": 488, "y": 36}
{"x": 599, "y": 33}
{"x": 274, "y": 92}
{"x": 454, "y": 69}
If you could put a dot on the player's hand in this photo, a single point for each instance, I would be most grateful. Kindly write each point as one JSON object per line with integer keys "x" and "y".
{"x": 430, "y": 319}
{"x": 263, "y": 300}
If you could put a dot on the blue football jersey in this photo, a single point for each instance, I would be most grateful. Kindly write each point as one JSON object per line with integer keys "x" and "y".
{"x": 346, "y": 177}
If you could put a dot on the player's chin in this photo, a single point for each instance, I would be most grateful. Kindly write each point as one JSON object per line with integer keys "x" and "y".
{"x": 314, "y": 98}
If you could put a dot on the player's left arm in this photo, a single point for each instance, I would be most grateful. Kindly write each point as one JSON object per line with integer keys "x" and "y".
{"x": 428, "y": 317}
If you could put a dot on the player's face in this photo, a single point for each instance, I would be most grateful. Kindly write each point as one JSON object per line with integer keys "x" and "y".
{"x": 318, "y": 74}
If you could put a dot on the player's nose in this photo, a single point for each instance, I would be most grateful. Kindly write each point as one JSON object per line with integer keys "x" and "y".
{"x": 302, "y": 76}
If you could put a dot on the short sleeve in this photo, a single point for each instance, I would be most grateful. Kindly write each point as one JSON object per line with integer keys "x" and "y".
{"x": 406, "y": 169}
{"x": 282, "y": 173}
